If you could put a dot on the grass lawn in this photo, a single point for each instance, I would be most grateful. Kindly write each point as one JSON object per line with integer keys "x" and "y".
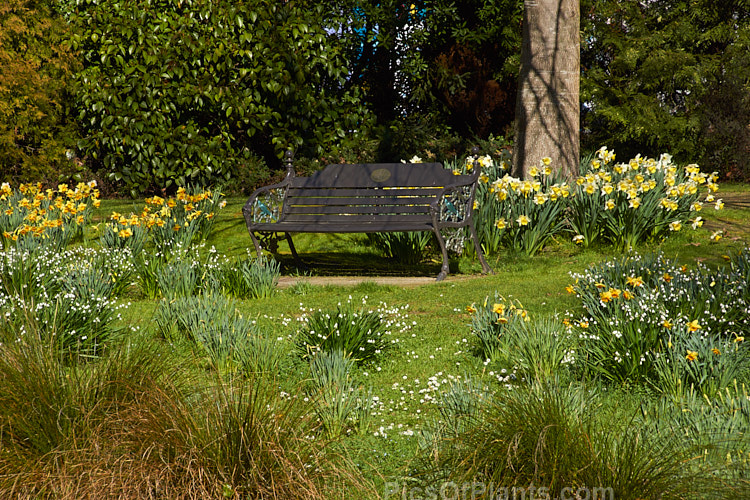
{"x": 438, "y": 344}
{"x": 432, "y": 349}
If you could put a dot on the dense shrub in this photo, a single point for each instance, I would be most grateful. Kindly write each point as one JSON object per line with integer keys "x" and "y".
{"x": 192, "y": 91}
{"x": 37, "y": 134}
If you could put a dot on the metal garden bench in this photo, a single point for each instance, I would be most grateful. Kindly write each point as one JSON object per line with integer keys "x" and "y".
{"x": 365, "y": 198}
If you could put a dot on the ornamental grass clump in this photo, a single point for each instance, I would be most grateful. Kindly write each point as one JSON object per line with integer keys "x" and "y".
{"x": 642, "y": 200}
{"x": 134, "y": 424}
{"x": 57, "y": 415}
{"x": 459, "y": 407}
{"x": 557, "y": 439}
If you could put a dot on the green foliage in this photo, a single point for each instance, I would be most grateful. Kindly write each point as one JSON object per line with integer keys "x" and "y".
{"x": 249, "y": 278}
{"x": 715, "y": 427}
{"x": 361, "y": 335}
{"x": 645, "y": 315}
{"x": 459, "y": 406}
{"x": 553, "y": 437}
{"x": 667, "y": 76}
{"x": 61, "y": 297}
{"x": 406, "y": 248}
{"x": 341, "y": 404}
{"x": 490, "y": 324}
{"x": 179, "y": 92}
{"x": 211, "y": 321}
{"x": 706, "y": 364}
{"x": 37, "y": 136}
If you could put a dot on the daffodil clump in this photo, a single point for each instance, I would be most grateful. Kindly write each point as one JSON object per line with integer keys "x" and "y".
{"x": 32, "y": 216}
{"x": 172, "y": 224}
{"x": 490, "y": 320}
{"x": 646, "y": 316}
{"x": 622, "y": 204}
{"x": 530, "y": 211}
{"x": 486, "y": 210}
{"x": 628, "y": 203}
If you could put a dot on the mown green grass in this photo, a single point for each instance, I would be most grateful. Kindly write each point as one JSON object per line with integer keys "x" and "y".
{"x": 438, "y": 344}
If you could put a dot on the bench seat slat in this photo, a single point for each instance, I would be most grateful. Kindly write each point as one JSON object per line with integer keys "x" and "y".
{"x": 351, "y": 192}
{"x": 362, "y": 200}
{"x": 355, "y": 219}
{"x": 329, "y": 227}
{"x": 378, "y": 210}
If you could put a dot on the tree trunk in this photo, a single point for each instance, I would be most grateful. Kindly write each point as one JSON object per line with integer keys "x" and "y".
{"x": 547, "y": 108}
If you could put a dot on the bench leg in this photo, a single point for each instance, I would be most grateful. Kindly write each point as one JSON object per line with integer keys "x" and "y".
{"x": 446, "y": 268}
{"x": 486, "y": 269}
{"x": 291, "y": 247}
{"x": 257, "y": 244}
{"x": 297, "y": 260}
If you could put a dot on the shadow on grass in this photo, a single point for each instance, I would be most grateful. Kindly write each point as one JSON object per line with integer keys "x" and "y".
{"x": 353, "y": 264}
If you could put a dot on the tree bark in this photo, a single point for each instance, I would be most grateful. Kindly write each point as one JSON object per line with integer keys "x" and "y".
{"x": 547, "y": 108}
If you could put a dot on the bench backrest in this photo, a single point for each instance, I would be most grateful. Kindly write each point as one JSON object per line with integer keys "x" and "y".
{"x": 362, "y": 193}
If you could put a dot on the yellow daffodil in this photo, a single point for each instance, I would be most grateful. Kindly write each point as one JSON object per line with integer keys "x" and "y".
{"x": 634, "y": 281}
{"x": 691, "y": 356}
{"x": 523, "y": 220}
{"x": 693, "y": 326}
{"x": 667, "y": 324}
{"x": 498, "y": 309}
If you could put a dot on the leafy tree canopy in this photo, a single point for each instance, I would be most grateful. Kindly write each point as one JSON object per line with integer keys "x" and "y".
{"x": 186, "y": 91}
{"x": 666, "y": 76}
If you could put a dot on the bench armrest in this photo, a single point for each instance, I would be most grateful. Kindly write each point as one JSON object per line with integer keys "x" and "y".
{"x": 453, "y": 205}
{"x": 266, "y": 203}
